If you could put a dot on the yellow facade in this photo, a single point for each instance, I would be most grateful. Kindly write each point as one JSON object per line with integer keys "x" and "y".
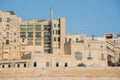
{"x": 43, "y": 43}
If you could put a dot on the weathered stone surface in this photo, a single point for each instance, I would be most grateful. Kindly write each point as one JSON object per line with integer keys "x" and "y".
{"x": 60, "y": 74}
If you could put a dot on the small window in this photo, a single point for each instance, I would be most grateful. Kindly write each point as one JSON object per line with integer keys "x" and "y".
{"x": 58, "y": 38}
{"x": 57, "y": 64}
{"x": 9, "y": 65}
{"x": 70, "y": 40}
{"x": 54, "y": 31}
{"x": 7, "y": 34}
{"x": 7, "y": 41}
{"x": 55, "y": 39}
{"x": 54, "y": 25}
{"x": 3, "y": 66}
{"x": 58, "y": 25}
{"x": 76, "y": 39}
{"x": 78, "y": 55}
{"x": 35, "y": 64}
{"x": 89, "y": 56}
{"x": 8, "y": 19}
{"x": 23, "y": 40}
{"x": 0, "y": 19}
{"x": 59, "y": 32}
{"x": 66, "y": 64}
{"x": 101, "y": 46}
{"x": 14, "y": 33}
{"x": 47, "y": 64}
{"x": 24, "y": 65}
{"x": 14, "y": 40}
{"x": 18, "y": 65}
{"x": 89, "y": 45}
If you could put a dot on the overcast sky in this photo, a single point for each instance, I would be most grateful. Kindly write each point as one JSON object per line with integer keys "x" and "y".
{"x": 82, "y": 16}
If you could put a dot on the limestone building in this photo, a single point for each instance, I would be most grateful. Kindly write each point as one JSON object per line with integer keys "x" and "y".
{"x": 44, "y": 43}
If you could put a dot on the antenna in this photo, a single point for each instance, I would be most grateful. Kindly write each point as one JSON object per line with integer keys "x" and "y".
{"x": 51, "y": 14}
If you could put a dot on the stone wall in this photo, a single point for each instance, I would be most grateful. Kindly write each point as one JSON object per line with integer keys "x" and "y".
{"x": 60, "y": 74}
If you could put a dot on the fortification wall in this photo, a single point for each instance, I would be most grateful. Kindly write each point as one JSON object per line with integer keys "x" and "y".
{"x": 60, "y": 74}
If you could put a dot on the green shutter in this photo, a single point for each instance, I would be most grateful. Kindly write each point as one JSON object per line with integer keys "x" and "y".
{"x": 38, "y": 27}
{"x": 78, "y": 55}
{"x": 29, "y": 27}
{"x": 22, "y": 27}
{"x": 0, "y": 19}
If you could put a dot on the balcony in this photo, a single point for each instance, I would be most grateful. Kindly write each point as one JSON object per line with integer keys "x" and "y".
{"x": 30, "y": 41}
{"x": 46, "y": 27}
{"x": 38, "y": 41}
{"x": 47, "y": 41}
{"x": 29, "y": 27}
{"x": 23, "y": 27}
{"x": 38, "y": 27}
{"x": 30, "y": 34}
{"x": 38, "y": 34}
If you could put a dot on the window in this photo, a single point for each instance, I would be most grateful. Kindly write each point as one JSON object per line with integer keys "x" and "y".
{"x": 47, "y": 64}
{"x": 7, "y": 27}
{"x": 47, "y": 34}
{"x": 22, "y": 34}
{"x": 38, "y": 34}
{"x": 7, "y": 34}
{"x": 76, "y": 39}
{"x": 0, "y": 19}
{"x": 8, "y": 19}
{"x": 38, "y": 41}
{"x": 7, "y": 41}
{"x": 101, "y": 46}
{"x": 23, "y": 40}
{"x": 89, "y": 45}
{"x": 59, "y": 32}
{"x": 30, "y": 34}
{"x": 3, "y": 66}
{"x": 58, "y": 25}
{"x": 14, "y": 33}
{"x": 89, "y": 56}
{"x": 38, "y": 27}
{"x": 35, "y": 64}
{"x": 29, "y": 27}
{"x": 54, "y": 25}
{"x": 18, "y": 65}
{"x": 54, "y": 31}
{"x": 66, "y": 64}
{"x": 57, "y": 64}
{"x": 14, "y": 40}
{"x": 9, "y": 66}
{"x": 58, "y": 38}
{"x": 55, "y": 39}
{"x": 30, "y": 41}
{"x": 22, "y": 27}
{"x": 24, "y": 65}
{"x": 46, "y": 27}
{"x": 69, "y": 40}
{"x": 78, "y": 55}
